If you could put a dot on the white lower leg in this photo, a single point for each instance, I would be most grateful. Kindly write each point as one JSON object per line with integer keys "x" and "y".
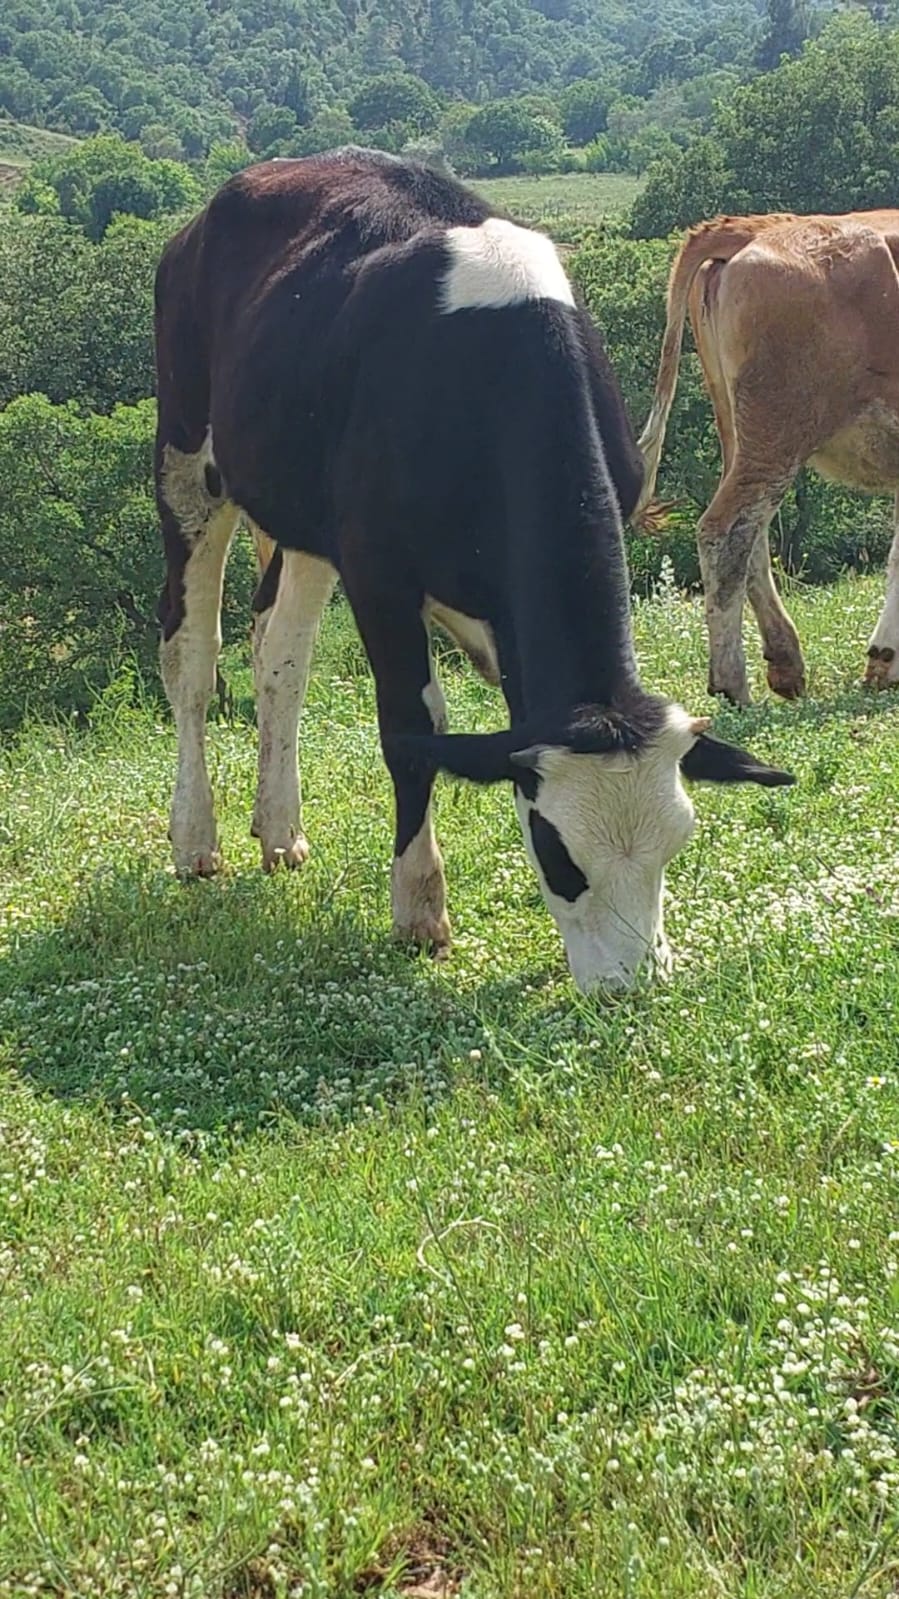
{"x": 187, "y": 662}
{"x": 883, "y": 648}
{"x": 418, "y": 890}
{"x": 286, "y": 642}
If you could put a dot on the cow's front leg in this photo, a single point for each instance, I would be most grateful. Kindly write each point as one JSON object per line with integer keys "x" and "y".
{"x": 410, "y": 701}
{"x": 286, "y": 628}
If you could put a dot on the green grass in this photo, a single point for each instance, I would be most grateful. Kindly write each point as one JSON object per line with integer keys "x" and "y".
{"x": 563, "y": 203}
{"x": 327, "y": 1271}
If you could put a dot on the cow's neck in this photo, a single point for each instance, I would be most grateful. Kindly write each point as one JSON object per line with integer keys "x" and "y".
{"x": 569, "y": 626}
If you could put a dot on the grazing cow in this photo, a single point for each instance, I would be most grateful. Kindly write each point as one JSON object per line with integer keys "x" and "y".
{"x": 399, "y": 387}
{"x": 796, "y": 321}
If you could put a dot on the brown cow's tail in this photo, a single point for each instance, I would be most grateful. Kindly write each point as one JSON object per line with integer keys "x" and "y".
{"x": 718, "y": 240}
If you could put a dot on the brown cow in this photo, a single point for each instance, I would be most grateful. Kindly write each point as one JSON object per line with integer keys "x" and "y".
{"x": 796, "y": 321}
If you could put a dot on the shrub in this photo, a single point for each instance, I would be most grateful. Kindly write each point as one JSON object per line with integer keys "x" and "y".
{"x": 80, "y": 554}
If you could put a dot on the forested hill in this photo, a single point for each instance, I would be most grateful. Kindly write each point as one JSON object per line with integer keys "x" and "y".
{"x": 197, "y": 70}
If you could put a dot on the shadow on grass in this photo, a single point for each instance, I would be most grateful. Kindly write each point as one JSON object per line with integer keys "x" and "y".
{"x": 851, "y": 704}
{"x": 228, "y": 1003}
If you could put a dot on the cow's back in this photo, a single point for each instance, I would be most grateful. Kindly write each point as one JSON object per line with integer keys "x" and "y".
{"x": 247, "y": 295}
{"x": 817, "y": 293}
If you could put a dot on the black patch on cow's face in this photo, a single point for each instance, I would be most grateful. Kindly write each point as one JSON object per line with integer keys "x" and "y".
{"x": 562, "y": 877}
{"x": 528, "y": 781}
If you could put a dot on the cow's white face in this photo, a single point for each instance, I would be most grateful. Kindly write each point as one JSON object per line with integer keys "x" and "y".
{"x": 600, "y": 831}
{"x": 603, "y": 810}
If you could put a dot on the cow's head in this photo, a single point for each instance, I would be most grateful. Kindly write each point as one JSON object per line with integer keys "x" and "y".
{"x": 603, "y": 810}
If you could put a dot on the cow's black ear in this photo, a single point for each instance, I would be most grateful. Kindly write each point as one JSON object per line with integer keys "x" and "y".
{"x": 480, "y": 757}
{"x": 711, "y": 760}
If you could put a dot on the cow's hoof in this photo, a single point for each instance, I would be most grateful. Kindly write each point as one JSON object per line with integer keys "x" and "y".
{"x": 289, "y": 854}
{"x": 735, "y": 693}
{"x": 786, "y": 679}
{"x": 192, "y": 859}
{"x": 432, "y": 934}
{"x": 203, "y": 863}
{"x": 882, "y": 669}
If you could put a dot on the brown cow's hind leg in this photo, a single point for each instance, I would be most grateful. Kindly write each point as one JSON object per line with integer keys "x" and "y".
{"x": 734, "y": 560}
{"x": 780, "y": 641}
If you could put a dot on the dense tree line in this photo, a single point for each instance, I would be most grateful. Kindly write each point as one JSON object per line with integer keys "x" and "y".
{"x": 79, "y": 551}
{"x": 821, "y": 132}
{"x": 179, "y": 76}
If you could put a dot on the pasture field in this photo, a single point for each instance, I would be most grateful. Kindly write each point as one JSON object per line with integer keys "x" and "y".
{"x": 563, "y": 202}
{"x": 21, "y": 144}
{"x": 329, "y": 1271}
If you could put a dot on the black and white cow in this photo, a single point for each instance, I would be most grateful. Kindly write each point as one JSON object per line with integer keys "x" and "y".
{"x": 399, "y": 387}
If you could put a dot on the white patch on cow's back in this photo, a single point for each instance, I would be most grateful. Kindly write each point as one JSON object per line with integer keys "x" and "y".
{"x": 499, "y": 264}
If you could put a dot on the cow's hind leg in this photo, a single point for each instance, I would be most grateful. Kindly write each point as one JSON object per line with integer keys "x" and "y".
{"x": 410, "y": 701}
{"x": 198, "y": 523}
{"x": 727, "y": 536}
{"x": 883, "y": 651}
{"x": 294, "y": 591}
{"x": 780, "y": 640}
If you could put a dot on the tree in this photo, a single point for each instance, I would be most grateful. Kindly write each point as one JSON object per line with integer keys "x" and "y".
{"x": 83, "y": 111}
{"x": 223, "y": 161}
{"x": 297, "y": 94}
{"x": 500, "y": 133}
{"x": 818, "y": 133}
{"x": 269, "y": 126}
{"x": 105, "y": 175}
{"x": 584, "y": 108}
{"x": 787, "y": 28}
{"x": 395, "y": 98}
{"x": 682, "y": 189}
{"x": 327, "y": 130}
{"x": 79, "y": 554}
{"x": 76, "y": 319}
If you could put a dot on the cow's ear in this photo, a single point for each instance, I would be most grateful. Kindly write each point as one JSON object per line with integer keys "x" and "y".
{"x": 479, "y": 757}
{"x": 711, "y": 760}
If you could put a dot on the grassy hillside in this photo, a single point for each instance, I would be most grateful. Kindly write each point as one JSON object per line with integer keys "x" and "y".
{"x": 329, "y": 1271}
{"x": 20, "y": 144}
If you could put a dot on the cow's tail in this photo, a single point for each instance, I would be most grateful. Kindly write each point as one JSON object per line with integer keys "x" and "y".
{"x": 718, "y": 240}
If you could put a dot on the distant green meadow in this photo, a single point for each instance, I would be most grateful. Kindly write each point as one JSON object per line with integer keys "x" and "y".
{"x": 565, "y": 203}
{"x": 330, "y": 1271}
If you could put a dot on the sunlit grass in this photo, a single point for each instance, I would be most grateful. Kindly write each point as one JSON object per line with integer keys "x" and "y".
{"x": 329, "y": 1271}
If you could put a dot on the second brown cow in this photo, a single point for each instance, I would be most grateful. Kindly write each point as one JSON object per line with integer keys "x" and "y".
{"x": 796, "y": 321}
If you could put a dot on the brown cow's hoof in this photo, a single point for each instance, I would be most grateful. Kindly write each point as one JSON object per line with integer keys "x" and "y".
{"x": 786, "y": 679}
{"x": 194, "y": 857}
{"x": 289, "y": 855}
{"x": 737, "y": 694}
{"x": 882, "y": 670}
{"x": 204, "y": 863}
{"x": 432, "y": 934}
